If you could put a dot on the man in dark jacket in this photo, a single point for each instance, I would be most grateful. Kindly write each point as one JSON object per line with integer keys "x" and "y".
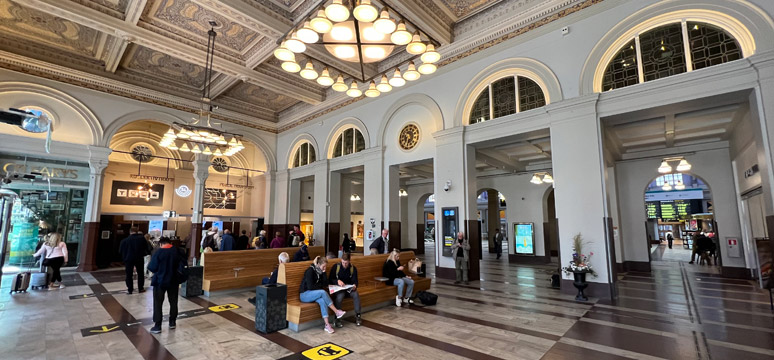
{"x": 167, "y": 266}
{"x": 302, "y": 254}
{"x": 227, "y": 242}
{"x": 382, "y": 243}
{"x": 242, "y": 240}
{"x": 345, "y": 274}
{"x": 133, "y": 250}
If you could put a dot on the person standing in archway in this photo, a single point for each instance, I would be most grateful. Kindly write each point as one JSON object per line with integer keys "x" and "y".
{"x": 670, "y": 238}
{"x": 498, "y": 241}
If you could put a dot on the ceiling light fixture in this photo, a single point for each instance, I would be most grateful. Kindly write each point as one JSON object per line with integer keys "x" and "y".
{"x": 664, "y": 168}
{"x": 402, "y": 192}
{"x": 200, "y": 132}
{"x": 547, "y": 178}
{"x": 679, "y": 185}
{"x": 358, "y": 31}
{"x": 666, "y": 187}
{"x": 354, "y": 197}
{"x": 354, "y": 91}
{"x": 683, "y": 166}
{"x": 536, "y": 179}
{"x": 541, "y": 178}
{"x": 372, "y": 91}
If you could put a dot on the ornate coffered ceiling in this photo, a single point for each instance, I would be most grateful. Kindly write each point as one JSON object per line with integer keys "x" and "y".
{"x": 154, "y": 50}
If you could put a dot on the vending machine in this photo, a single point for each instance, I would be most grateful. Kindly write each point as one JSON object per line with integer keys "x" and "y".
{"x": 450, "y": 226}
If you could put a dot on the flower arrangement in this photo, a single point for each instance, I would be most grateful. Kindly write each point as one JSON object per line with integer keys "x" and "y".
{"x": 580, "y": 263}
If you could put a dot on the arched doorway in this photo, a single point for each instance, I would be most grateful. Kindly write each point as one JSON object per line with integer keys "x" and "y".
{"x": 680, "y": 215}
{"x": 550, "y": 226}
{"x": 491, "y": 207}
{"x": 425, "y": 225}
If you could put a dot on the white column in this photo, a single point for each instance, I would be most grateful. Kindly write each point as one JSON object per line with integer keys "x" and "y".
{"x": 372, "y": 193}
{"x": 762, "y": 112}
{"x": 201, "y": 172}
{"x": 98, "y": 162}
{"x": 580, "y": 190}
{"x": 320, "y": 199}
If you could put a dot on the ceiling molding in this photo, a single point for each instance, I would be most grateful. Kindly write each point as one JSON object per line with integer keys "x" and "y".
{"x": 94, "y": 19}
{"x": 87, "y": 80}
{"x": 427, "y": 17}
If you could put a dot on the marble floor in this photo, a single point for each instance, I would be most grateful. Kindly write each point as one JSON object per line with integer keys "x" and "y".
{"x": 677, "y": 311}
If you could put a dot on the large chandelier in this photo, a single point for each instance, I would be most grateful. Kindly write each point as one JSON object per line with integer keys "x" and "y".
{"x": 200, "y": 137}
{"x": 357, "y": 32}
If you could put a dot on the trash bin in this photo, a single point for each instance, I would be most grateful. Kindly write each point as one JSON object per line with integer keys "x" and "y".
{"x": 193, "y": 287}
{"x": 271, "y": 306}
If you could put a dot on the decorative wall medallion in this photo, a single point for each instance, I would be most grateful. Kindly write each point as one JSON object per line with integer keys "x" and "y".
{"x": 409, "y": 137}
{"x": 220, "y": 165}
{"x": 183, "y": 191}
{"x": 142, "y": 153}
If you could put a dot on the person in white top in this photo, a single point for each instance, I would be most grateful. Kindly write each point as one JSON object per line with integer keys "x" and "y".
{"x": 54, "y": 252}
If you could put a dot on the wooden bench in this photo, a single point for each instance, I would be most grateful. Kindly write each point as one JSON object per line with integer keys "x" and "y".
{"x": 252, "y": 265}
{"x": 373, "y": 293}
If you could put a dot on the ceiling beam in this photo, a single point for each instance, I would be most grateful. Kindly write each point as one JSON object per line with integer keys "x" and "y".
{"x": 220, "y": 84}
{"x": 420, "y": 16}
{"x": 669, "y": 130}
{"x": 496, "y": 162}
{"x": 116, "y": 52}
{"x": 249, "y": 16}
{"x": 96, "y": 20}
{"x": 416, "y": 172}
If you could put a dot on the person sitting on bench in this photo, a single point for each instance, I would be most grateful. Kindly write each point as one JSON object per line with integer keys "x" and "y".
{"x": 272, "y": 278}
{"x": 393, "y": 271}
{"x": 345, "y": 274}
{"x": 314, "y": 288}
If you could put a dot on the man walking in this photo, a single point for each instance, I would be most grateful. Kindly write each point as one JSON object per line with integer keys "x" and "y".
{"x": 133, "y": 250}
{"x": 380, "y": 244}
{"x": 168, "y": 269}
{"x": 498, "y": 243}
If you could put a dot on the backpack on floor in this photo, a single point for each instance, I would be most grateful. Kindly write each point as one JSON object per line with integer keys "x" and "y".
{"x": 427, "y": 298}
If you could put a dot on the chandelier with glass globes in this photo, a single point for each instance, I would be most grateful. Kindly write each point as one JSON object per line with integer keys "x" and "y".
{"x": 200, "y": 137}
{"x": 358, "y": 32}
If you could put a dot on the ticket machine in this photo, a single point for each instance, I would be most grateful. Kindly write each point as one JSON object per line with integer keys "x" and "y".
{"x": 449, "y": 224}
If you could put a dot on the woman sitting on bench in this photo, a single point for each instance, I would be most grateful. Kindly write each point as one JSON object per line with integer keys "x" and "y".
{"x": 314, "y": 288}
{"x": 272, "y": 278}
{"x": 393, "y": 271}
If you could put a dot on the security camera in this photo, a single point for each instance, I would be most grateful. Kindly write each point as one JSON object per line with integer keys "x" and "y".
{"x": 447, "y": 186}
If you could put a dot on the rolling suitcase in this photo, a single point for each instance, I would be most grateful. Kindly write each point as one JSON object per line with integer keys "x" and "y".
{"x": 39, "y": 280}
{"x": 20, "y": 282}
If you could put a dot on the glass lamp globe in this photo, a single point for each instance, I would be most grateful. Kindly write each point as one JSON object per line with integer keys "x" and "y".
{"x": 411, "y": 73}
{"x": 397, "y": 80}
{"x": 384, "y": 24}
{"x": 282, "y": 53}
{"x": 430, "y": 56}
{"x": 291, "y": 66}
{"x": 309, "y": 72}
{"x": 427, "y": 69}
{"x": 365, "y": 12}
{"x": 320, "y": 23}
{"x": 336, "y": 11}
{"x": 416, "y": 46}
{"x": 401, "y": 36}
{"x": 354, "y": 91}
{"x": 294, "y": 44}
{"x": 384, "y": 85}
{"x": 372, "y": 91}
{"x": 307, "y": 34}
{"x": 339, "y": 85}
{"x": 325, "y": 78}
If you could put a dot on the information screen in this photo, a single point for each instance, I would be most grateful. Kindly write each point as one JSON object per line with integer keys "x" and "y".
{"x": 668, "y": 210}
{"x": 524, "y": 236}
{"x": 683, "y": 208}
{"x": 652, "y": 209}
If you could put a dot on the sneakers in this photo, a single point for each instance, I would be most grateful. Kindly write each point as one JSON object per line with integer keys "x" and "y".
{"x": 172, "y": 325}
{"x": 408, "y": 301}
{"x": 359, "y": 321}
{"x": 397, "y": 300}
{"x": 338, "y": 323}
{"x": 156, "y": 329}
{"x": 329, "y": 329}
{"x": 340, "y": 314}
{"x": 61, "y": 286}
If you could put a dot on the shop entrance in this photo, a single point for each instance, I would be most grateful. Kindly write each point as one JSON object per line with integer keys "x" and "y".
{"x": 491, "y": 209}
{"x": 680, "y": 224}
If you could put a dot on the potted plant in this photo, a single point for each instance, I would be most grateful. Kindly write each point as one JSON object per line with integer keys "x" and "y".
{"x": 580, "y": 265}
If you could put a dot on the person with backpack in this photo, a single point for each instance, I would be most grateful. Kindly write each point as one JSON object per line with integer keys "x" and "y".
{"x": 211, "y": 241}
{"x": 314, "y": 288}
{"x": 168, "y": 267}
{"x": 344, "y": 274}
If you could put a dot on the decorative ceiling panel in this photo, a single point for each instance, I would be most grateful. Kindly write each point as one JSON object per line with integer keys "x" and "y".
{"x": 189, "y": 20}
{"x": 253, "y": 94}
{"x": 115, "y": 8}
{"x": 463, "y": 8}
{"x": 39, "y": 27}
{"x": 155, "y": 64}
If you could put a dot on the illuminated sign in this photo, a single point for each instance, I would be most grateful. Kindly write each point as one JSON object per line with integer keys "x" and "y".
{"x": 48, "y": 171}
{"x": 183, "y": 191}
{"x": 668, "y": 210}
{"x": 524, "y": 236}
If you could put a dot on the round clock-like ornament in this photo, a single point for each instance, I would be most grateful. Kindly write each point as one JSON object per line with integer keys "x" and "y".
{"x": 409, "y": 137}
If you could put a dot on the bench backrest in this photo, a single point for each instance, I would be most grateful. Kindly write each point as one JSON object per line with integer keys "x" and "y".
{"x": 255, "y": 262}
{"x": 368, "y": 267}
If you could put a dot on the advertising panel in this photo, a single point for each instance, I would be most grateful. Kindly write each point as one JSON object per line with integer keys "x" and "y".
{"x": 524, "y": 236}
{"x": 136, "y": 193}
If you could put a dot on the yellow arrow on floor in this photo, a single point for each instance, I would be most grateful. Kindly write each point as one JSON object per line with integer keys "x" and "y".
{"x": 104, "y": 329}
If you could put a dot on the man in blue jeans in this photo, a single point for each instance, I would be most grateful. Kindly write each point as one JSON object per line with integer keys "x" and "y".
{"x": 345, "y": 274}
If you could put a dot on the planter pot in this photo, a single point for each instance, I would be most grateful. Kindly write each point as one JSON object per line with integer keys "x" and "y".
{"x": 580, "y": 284}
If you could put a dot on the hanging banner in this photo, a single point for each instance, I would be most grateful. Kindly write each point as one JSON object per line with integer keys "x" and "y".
{"x": 23, "y": 238}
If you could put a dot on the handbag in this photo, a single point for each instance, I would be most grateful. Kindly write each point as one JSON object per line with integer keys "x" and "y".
{"x": 415, "y": 266}
{"x": 427, "y": 298}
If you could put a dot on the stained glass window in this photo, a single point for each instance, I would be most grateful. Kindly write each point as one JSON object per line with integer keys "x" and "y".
{"x": 337, "y": 147}
{"x": 348, "y": 138}
{"x": 662, "y": 52}
{"x": 304, "y": 155}
{"x": 480, "y": 110}
{"x": 530, "y": 94}
{"x": 359, "y": 141}
{"x": 622, "y": 70}
{"x": 504, "y": 97}
{"x": 304, "y": 150}
{"x": 312, "y": 155}
{"x": 711, "y": 45}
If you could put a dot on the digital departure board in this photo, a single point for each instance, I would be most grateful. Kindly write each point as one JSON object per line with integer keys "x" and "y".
{"x": 652, "y": 209}
{"x": 668, "y": 210}
{"x": 683, "y": 208}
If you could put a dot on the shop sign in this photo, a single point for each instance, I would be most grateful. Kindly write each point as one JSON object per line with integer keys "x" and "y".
{"x": 151, "y": 178}
{"x": 183, "y": 191}
{"x": 235, "y": 186}
{"x": 49, "y": 171}
{"x": 139, "y": 194}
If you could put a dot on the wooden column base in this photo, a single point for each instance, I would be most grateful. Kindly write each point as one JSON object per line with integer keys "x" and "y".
{"x": 88, "y": 251}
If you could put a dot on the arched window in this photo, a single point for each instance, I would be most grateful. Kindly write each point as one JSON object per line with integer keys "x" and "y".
{"x": 506, "y": 96}
{"x": 661, "y": 52}
{"x": 348, "y": 142}
{"x": 304, "y": 155}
